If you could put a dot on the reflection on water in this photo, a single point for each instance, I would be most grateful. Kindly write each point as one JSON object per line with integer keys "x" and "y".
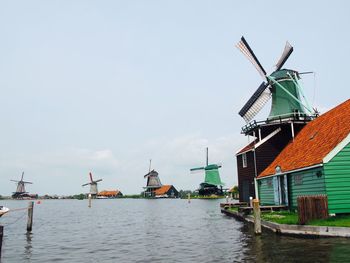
{"x": 152, "y": 231}
{"x": 28, "y": 246}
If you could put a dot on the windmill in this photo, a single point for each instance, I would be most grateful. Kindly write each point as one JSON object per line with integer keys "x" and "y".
{"x": 282, "y": 85}
{"x": 20, "y": 190}
{"x": 212, "y": 180}
{"x": 289, "y": 113}
{"x": 153, "y": 181}
{"x": 93, "y": 185}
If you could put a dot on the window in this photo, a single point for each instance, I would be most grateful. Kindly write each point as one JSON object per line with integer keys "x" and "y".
{"x": 269, "y": 182}
{"x": 244, "y": 160}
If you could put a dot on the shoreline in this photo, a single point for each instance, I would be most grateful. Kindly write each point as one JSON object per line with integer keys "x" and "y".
{"x": 306, "y": 231}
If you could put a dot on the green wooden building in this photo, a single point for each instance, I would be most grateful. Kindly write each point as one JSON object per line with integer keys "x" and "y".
{"x": 317, "y": 161}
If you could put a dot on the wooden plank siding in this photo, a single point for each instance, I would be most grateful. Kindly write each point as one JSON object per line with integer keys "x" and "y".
{"x": 337, "y": 177}
{"x": 246, "y": 177}
{"x": 265, "y": 154}
{"x": 305, "y": 183}
{"x": 300, "y": 183}
{"x": 266, "y": 194}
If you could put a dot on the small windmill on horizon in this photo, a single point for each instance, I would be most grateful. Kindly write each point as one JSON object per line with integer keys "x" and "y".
{"x": 153, "y": 181}
{"x": 20, "y": 190}
{"x": 212, "y": 184}
{"x": 93, "y": 185}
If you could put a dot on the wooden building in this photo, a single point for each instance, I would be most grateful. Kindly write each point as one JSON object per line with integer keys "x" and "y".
{"x": 155, "y": 189}
{"x": 109, "y": 194}
{"x": 317, "y": 161}
{"x": 257, "y": 155}
{"x": 166, "y": 191}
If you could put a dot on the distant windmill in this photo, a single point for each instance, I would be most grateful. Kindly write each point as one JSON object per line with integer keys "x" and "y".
{"x": 153, "y": 181}
{"x": 20, "y": 190}
{"x": 212, "y": 180}
{"x": 93, "y": 185}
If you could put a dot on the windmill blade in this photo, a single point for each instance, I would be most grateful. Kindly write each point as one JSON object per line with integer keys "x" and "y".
{"x": 15, "y": 181}
{"x": 99, "y": 180}
{"x": 90, "y": 174}
{"x": 86, "y": 184}
{"x": 244, "y": 47}
{"x": 146, "y": 175}
{"x": 256, "y": 102}
{"x": 22, "y": 176}
{"x": 197, "y": 169}
{"x": 288, "y": 49}
{"x": 27, "y": 182}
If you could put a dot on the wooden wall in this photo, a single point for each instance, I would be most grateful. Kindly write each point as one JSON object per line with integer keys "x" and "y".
{"x": 337, "y": 177}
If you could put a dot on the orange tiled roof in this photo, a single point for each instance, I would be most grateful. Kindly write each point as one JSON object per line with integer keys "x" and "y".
{"x": 109, "y": 193}
{"x": 162, "y": 190}
{"x": 314, "y": 141}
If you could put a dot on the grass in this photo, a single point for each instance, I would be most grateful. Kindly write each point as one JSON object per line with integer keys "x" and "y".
{"x": 206, "y": 197}
{"x": 234, "y": 208}
{"x": 281, "y": 217}
{"x": 291, "y": 218}
{"x": 339, "y": 221}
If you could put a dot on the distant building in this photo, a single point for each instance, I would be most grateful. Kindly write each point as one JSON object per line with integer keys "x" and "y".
{"x": 109, "y": 194}
{"x": 154, "y": 187}
{"x": 166, "y": 191}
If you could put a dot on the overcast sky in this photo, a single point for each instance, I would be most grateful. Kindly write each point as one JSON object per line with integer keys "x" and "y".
{"x": 103, "y": 86}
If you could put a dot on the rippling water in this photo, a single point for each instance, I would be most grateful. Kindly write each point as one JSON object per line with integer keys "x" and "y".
{"x": 128, "y": 230}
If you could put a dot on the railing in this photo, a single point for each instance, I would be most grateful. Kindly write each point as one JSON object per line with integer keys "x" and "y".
{"x": 278, "y": 120}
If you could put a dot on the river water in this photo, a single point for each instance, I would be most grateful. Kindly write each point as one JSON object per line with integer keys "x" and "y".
{"x": 138, "y": 230}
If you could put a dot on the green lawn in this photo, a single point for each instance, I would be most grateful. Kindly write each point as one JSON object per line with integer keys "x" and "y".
{"x": 291, "y": 218}
{"x": 235, "y": 208}
{"x": 341, "y": 220}
{"x": 281, "y": 217}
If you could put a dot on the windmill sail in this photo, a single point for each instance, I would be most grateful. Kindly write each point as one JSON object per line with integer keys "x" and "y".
{"x": 256, "y": 102}
{"x": 244, "y": 47}
{"x": 288, "y": 49}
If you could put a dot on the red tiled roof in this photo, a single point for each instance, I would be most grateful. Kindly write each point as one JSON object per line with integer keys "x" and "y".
{"x": 162, "y": 190}
{"x": 246, "y": 148}
{"x": 314, "y": 141}
{"x": 109, "y": 193}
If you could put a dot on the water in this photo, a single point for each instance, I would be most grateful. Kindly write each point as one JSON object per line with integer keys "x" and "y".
{"x": 128, "y": 230}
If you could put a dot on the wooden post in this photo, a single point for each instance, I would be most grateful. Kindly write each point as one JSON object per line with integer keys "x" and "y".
{"x": 30, "y": 216}
{"x": 257, "y": 218}
{"x": 89, "y": 200}
{"x": 189, "y": 198}
{"x": 1, "y": 234}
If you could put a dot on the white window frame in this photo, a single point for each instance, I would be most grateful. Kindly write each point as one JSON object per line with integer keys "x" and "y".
{"x": 244, "y": 160}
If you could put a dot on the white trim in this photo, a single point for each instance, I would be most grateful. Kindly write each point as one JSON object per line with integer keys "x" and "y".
{"x": 337, "y": 149}
{"x": 292, "y": 171}
{"x": 249, "y": 150}
{"x": 244, "y": 160}
{"x": 256, "y": 188}
{"x": 268, "y": 137}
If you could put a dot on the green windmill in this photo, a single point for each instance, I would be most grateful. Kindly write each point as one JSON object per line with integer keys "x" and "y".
{"x": 212, "y": 184}
{"x": 288, "y": 100}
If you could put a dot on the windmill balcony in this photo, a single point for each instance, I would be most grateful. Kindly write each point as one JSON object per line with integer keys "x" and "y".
{"x": 296, "y": 118}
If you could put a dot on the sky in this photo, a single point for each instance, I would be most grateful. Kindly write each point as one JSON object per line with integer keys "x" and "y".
{"x": 104, "y": 86}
